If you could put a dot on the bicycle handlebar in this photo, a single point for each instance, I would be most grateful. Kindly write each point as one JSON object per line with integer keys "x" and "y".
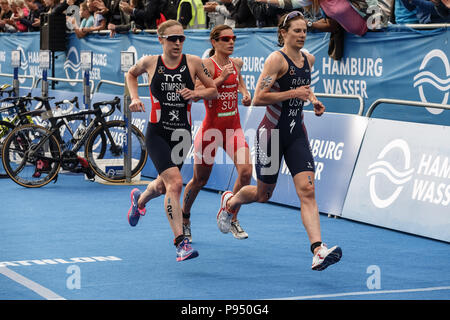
{"x": 43, "y": 99}
{"x": 115, "y": 103}
{"x": 72, "y": 103}
{"x": 17, "y": 102}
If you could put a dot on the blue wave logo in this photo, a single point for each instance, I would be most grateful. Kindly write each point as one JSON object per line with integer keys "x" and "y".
{"x": 396, "y": 177}
{"x": 72, "y": 65}
{"x": 23, "y": 63}
{"x": 427, "y": 77}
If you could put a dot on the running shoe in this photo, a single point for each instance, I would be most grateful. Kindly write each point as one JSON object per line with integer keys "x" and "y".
{"x": 223, "y": 216}
{"x": 326, "y": 257}
{"x": 237, "y": 230}
{"x": 185, "y": 251}
{"x": 135, "y": 213}
{"x": 187, "y": 232}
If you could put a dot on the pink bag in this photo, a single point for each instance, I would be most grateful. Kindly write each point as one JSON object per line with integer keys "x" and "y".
{"x": 345, "y": 15}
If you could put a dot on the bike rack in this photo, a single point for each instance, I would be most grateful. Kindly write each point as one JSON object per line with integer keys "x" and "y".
{"x": 377, "y": 102}
{"x": 91, "y": 82}
{"x": 114, "y": 83}
{"x": 344, "y": 96}
{"x": 21, "y": 76}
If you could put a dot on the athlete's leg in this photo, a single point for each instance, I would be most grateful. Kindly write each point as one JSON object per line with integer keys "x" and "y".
{"x": 198, "y": 181}
{"x": 305, "y": 188}
{"x": 204, "y": 154}
{"x": 248, "y": 194}
{"x": 154, "y": 189}
{"x": 301, "y": 165}
{"x": 262, "y": 192}
{"x": 244, "y": 169}
{"x": 173, "y": 183}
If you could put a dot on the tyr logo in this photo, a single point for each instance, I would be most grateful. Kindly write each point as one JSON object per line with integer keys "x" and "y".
{"x": 173, "y": 77}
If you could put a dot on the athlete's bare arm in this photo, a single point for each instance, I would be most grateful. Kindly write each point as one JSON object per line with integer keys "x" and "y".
{"x": 209, "y": 90}
{"x": 246, "y": 97}
{"x": 145, "y": 64}
{"x": 208, "y": 69}
{"x": 274, "y": 67}
{"x": 319, "y": 108}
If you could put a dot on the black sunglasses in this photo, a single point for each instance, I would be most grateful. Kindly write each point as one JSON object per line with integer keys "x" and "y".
{"x": 227, "y": 38}
{"x": 175, "y": 37}
{"x": 291, "y": 15}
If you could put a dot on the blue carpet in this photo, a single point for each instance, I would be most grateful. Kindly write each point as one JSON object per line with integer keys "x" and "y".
{"x": 84, "y": 224}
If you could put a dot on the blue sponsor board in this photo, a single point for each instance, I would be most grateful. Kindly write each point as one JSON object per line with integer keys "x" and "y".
{"x": 402, "y": 179}
{"x": 334, "y": 139}
{"x": 396, "y": 63}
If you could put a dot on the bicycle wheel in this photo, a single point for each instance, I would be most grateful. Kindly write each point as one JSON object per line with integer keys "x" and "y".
{"x": 5, "y": 128}
{"x": 110, "y": 165}
{"x": 31, "y": 156}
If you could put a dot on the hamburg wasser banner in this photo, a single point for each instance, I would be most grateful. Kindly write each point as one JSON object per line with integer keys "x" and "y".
{"x": 397, "y": 63}
{"x": 402, "y": 179}
{"x": 334, "y": 140}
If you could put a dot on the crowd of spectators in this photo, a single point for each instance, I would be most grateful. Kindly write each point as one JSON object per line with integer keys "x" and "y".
{"x": 121, "y": 16}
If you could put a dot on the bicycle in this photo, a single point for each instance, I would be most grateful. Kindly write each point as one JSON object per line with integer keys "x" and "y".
{"x": 19, "y": 114}
{"x": 33, "y": 155}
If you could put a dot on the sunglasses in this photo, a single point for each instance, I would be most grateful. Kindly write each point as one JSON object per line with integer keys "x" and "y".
{"x": 175, "y": 37}
{"x": 227, "y": 38}
{"x": 291, "y": 15}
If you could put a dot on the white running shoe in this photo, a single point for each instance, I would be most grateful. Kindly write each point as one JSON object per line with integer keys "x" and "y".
{"x": 237, "y": 230}
{"x": 326, "y": 257}
{"x": 223, "y": 216}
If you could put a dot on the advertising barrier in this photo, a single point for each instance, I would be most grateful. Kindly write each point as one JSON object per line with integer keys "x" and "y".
{"x": 334, "y": 140}
{"x": 402, "y": 179}
{"x": 371, "y": 66}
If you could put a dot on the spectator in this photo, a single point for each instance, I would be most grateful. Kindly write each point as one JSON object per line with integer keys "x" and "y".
{"x": 33, "y": 20}
{"x": 243, "y": 16}
{"x": 6, "y": 24}
{"x": 111, "y": 11}
{"x": 266, "y": 15}
{"x": 54, "y": 6}
{"x": 95, "y": 7}
{"x": 87, "y": 21}
{"x": 125, "y": 21}
{"x": 403, "y": 15}
{"x": 191, "y": 14}
{"x": 442, "y": 7}
{"x": 20, "y": 11}
{"x": 355, "y": 16}
{"x": 145, "y": 13}
{"x": 216, "y": 13}
{"x": 169, "y": 9}
{"x": 425, "y": 10}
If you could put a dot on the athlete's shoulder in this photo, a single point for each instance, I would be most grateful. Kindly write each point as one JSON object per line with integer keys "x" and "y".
{"x": 144, "y": 64}
{"x": 208, "y": 62}
{"x": 149, "y": 59}
{"x": 311, "y": 58}
{"x": 190, "y": 58}
{"x": 275, "y": 57}
{"x": 238, "y": 62}
{"x": 275, "y": 62}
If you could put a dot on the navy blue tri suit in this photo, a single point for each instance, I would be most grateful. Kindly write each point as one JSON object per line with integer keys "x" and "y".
{"x": 169, "y": 112}
{"x": 287, "y": 118}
